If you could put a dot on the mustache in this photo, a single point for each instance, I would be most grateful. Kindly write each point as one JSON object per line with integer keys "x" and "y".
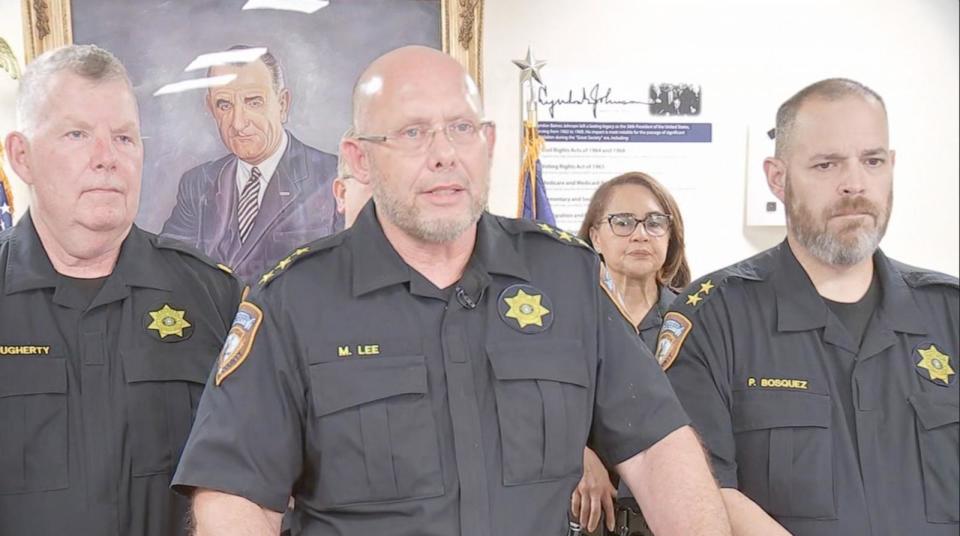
{"x": 854, "y": 205}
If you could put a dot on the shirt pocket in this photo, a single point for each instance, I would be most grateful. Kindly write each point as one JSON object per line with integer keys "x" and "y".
{"x": 164, "y": 385}
{"x": 785, "y": 452}
{"x": 938, "y": 415}
{"x": 541, "y": 395}
{"x": 33, "y": 424}
{"x": 375, "y": 431}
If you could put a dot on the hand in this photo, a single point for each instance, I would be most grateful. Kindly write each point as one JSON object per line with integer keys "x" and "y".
{"x": 594, "y": 493}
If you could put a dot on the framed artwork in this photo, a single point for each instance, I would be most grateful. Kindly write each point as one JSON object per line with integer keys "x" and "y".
{"x": 203, "y": 137}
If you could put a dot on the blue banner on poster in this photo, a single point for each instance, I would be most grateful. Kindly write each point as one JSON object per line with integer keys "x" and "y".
{"x": 566, "y": 131}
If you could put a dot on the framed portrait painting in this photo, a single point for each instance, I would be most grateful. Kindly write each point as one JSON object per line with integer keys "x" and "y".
{"x": 243, "y": 104}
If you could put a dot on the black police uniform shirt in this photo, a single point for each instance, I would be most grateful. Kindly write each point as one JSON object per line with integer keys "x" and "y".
{"x": 387, "y": 406}
{"x": 649, "y": 328}
{"x": 827, "y": 436}
{"x": 98, "y": 387}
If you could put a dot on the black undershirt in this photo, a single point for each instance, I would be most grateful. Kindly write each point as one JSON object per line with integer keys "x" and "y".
{"x": 856, "y": 316}
{"x": 86, "y": 289}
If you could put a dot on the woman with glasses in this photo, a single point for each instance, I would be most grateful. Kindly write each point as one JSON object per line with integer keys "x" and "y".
{"x": 635, "y": 225}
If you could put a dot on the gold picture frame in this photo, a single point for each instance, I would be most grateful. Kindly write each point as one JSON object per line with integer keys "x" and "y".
{"x": 48, "y": 24}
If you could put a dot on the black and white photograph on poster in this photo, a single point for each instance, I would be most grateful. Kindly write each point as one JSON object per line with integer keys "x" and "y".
{"x": 675, "y": 99}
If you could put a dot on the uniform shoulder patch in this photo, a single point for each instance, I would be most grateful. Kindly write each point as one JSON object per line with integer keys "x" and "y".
{"x": 515, "y": 226}
{"x": 673, "y": 332}
{"x": 298, "y": 254}
{"x": 239, "y": 340}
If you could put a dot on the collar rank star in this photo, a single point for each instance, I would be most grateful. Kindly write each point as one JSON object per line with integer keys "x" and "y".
{"x": 169, "y": 322}
{"x": 705, "y": 288}
{"x": 525, "y": 309}
{"x": 934, "y": 365}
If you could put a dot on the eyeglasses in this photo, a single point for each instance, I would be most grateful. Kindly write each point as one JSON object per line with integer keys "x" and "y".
{"x": 655, "y": 224}
{"x": 416, "y": 138}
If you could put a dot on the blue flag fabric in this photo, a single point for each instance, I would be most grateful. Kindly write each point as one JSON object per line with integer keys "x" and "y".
{"x": 6, "y": 199}
{"x": 534, "y": 203}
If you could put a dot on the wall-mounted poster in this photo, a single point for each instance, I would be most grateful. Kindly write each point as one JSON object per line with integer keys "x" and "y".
{"x": 597, "y": 129}
{"x": 243, "y": 103}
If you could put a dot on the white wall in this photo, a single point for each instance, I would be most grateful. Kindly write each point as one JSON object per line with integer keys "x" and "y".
{"x": 11, "y": 29}
{"x": 752, "y": 55}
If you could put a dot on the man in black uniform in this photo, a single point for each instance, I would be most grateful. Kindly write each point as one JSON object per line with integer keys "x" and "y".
{"x": 434, "y": 370}
{"x": 821, "y": 374}
{"x": 107, "y": 333}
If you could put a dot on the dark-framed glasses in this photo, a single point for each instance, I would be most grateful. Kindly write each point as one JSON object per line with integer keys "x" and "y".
{"x": 655, "y": 223}
{"x": 416, "y": 138}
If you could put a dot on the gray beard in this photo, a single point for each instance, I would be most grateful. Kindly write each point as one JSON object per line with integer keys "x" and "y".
{"x": 832, "y": 247}
{"x": 412, "y": 221}
{"x": 832, "y": 250}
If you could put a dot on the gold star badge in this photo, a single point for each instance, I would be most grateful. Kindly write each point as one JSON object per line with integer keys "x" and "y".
{"x": 546, "y": 228}
{"x": 168, "y": 321}
{"x": 693, "y": 299}
{"x": 526, "y": 309}
{"x": 936, "y": 363}
{"x": 706, "y": 287}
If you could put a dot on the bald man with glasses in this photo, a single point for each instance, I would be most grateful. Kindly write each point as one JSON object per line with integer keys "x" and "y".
{"x": 434, "y": 370}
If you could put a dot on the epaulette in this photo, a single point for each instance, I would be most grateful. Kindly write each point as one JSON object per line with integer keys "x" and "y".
{"x": 701, "y": 290}
{"x": 676, "y": 325}
{"x": 299, "y": 254}
{"x": 517, "y": 226}
{"x": 918, "y": 277}
{"x": 164, "y": 242}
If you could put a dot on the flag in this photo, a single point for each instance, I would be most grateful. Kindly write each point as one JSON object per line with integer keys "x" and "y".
{"x": 6, "y": 198}
{"x": 532, "y": 197}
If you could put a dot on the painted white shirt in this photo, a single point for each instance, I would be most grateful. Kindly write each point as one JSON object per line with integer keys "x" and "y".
{"x": 267, "y": 167}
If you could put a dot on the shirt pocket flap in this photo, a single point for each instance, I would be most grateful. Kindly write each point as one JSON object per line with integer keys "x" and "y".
{"x": 338, "y": 385}
{"x": 934, "y": 410}
{"x": 559, "y": 361}
{"x": 758, "y": 410}
{"x": 168, "y": 365}
{"x": 32, "y": 376}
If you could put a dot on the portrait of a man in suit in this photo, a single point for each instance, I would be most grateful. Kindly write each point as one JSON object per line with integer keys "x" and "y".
{"x": 271, "y": 193}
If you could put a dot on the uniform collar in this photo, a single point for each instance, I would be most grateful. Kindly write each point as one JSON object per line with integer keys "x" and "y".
{"x": 497, "y": 251}
{"x": 898, "y": 307}
{"x": 28, "y": 266}
{"x": 801, "y": 308}
{"x": 376, "y": 264}
{"x": 654, "y": 317}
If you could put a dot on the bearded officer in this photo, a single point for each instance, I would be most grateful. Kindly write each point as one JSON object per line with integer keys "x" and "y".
{"x": 822, "y": 374}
